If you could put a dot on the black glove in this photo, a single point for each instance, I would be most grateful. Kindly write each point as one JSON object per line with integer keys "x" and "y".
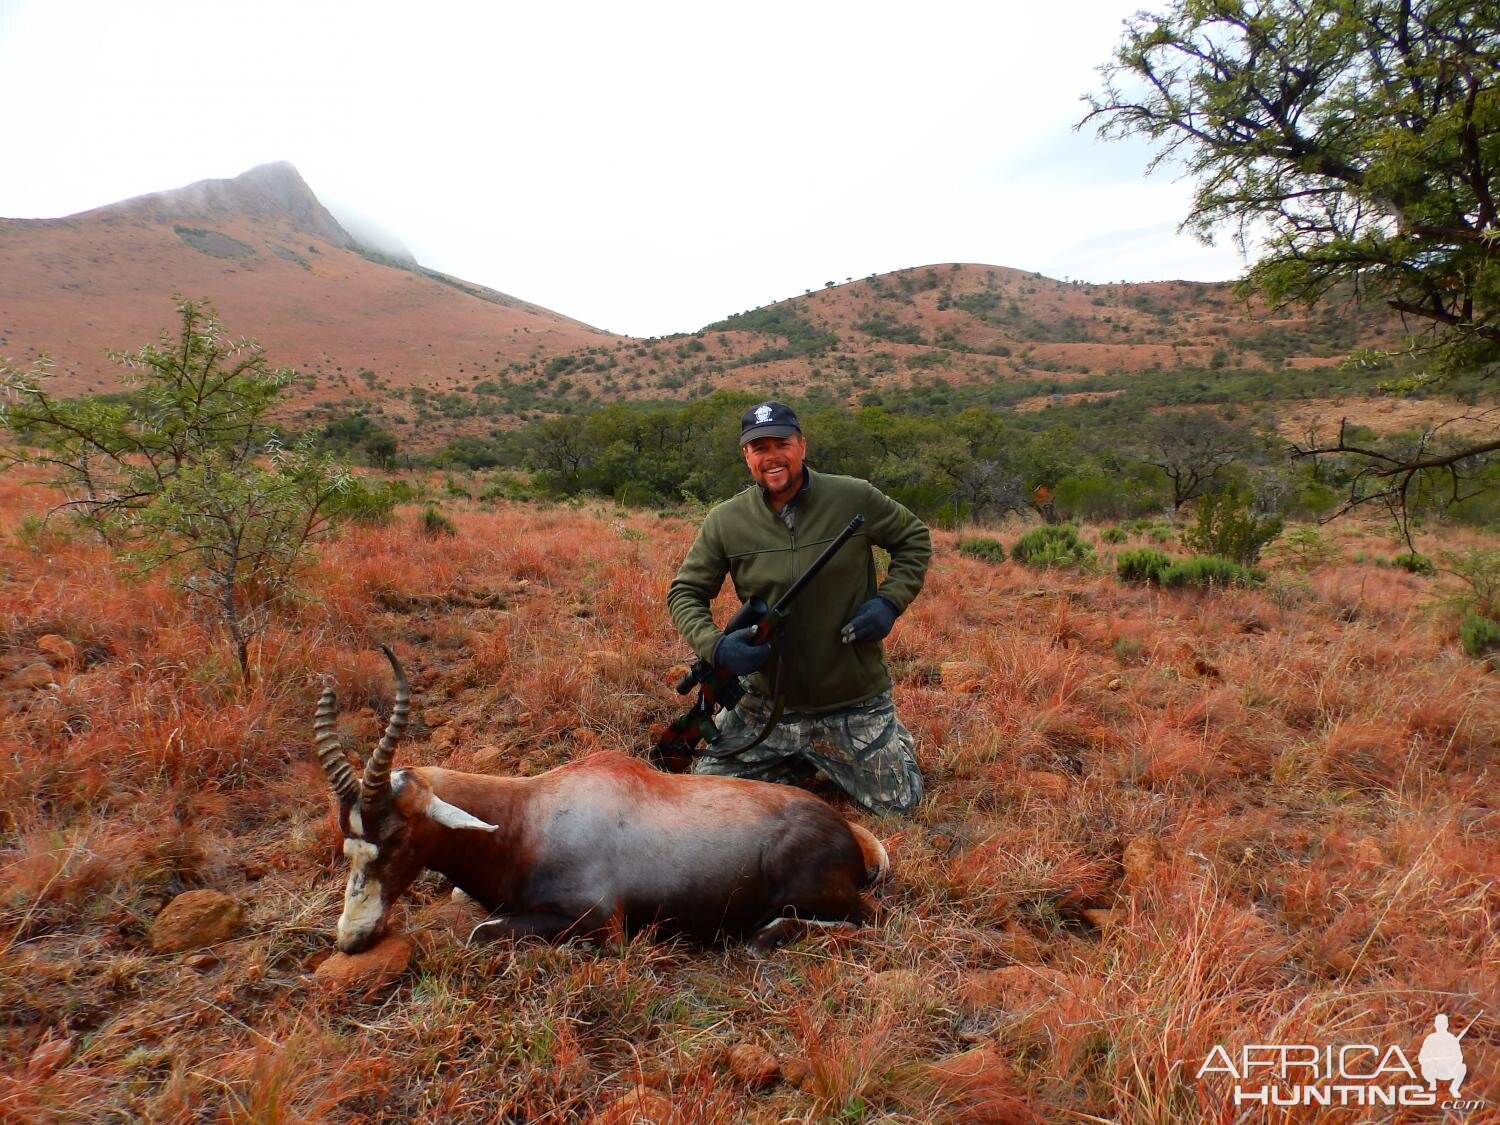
{"x": 871, "y": 622}
{"x": 738, "y": 652}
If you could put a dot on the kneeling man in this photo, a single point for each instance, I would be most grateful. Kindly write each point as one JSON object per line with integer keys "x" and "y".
{"x": 828, "y": 665}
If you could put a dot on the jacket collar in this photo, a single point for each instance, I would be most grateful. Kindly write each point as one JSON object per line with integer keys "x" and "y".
{"x": 797, "y": 497}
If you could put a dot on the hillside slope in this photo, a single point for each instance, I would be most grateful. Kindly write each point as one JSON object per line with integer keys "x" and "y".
{"x": 277, "y": 266}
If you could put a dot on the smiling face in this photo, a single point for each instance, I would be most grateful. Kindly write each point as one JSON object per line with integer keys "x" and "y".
{"x": 776, "y": 465}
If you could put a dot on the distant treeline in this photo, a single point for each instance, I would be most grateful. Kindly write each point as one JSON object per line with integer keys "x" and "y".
{"x": 947, "y": 456}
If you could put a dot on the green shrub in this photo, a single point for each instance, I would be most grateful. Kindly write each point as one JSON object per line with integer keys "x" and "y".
{"x": 1144, "y": 564}
{"x": 1479, "y": 569}
{"x": 633, "y": 494}
{"x": 1414, "y": 562}
{"x": 1479, "y": 635}
{"x": 1052, "y": 545}
{"x": 1209, "y": 571}
{"x": 435, "y": 524}
{"x": 1227, "y": 527}
{"x": 1113, "y": 535}
{"x": 1301, "y": 547}
{"x": 983, "y": 547}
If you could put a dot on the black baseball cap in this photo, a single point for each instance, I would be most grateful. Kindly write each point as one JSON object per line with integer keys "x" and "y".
{"x": 768, "y": 419}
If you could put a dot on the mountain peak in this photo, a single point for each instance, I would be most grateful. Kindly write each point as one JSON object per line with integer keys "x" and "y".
{"x": 275, "y": 190}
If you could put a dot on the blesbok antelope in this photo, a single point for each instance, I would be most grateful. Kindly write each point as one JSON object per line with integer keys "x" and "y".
{"x": 600, "y": 844}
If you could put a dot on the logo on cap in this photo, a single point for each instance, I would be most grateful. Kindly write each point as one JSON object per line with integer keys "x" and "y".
{"x": 762, "y": 414}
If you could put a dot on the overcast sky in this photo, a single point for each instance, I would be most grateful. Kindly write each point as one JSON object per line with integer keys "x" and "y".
{"x": 647, "y": 168}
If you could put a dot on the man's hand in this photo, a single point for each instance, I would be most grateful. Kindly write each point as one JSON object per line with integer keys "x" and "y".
{"x": 738, "y": 652}
{"x": 871, "y": 622}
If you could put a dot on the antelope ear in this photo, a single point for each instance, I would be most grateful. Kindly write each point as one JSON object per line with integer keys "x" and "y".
{"x": 451, "y": 816}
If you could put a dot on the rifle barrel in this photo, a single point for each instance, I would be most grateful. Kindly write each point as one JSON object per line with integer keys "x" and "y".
{"x": 821, "y": 561}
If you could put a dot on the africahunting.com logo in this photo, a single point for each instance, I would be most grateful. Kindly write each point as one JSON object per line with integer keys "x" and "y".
{"x": 1349, "y": 1074}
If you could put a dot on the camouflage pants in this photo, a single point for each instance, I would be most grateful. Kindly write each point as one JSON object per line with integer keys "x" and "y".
{"x": 864, "y": 750}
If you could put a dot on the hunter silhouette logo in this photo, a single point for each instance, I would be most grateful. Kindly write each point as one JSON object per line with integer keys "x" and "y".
{"x": 1348, "y": 1074}
{"x": 1442, "y": 1056}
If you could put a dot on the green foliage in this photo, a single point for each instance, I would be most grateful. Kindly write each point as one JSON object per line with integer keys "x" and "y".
{"x": 1361, "y": 133}
{"x": 1227, "y": 527}
{"x": 1302, "y": 547}
{"x": 1143, "y": 564}
{"x": 187, "y": 472}
{"x": 1113, "y": 535}
{"x": 468, "y": 453}
{"x": 1414, "y": 563}
{"x": 1052, "y": 545}
{"x": 506, "y": 486}
{"x": 1209, "y": 571}
{"x": 1478, "y": 568}
{"x": 356, "y": 434}
{"x": 884, "y": 328}
{"x": 803, "y": 338}
{"x": 982, "y": 547}
{"x": 435, "y": 524}
{"x": 1479, "y": 635}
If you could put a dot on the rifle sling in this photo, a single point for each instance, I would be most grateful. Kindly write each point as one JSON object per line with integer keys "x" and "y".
{"x": 778, "y": 705}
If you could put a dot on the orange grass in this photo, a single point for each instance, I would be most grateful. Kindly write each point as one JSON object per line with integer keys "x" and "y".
{"x": 1311, "y": 765}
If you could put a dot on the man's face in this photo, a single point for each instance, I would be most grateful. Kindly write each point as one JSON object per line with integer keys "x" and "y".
{"x": 776, "y": 463}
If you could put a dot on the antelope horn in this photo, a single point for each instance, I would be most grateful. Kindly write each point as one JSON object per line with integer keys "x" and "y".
{"x": 334, "y": 764}
{"x": 377, "y": 779}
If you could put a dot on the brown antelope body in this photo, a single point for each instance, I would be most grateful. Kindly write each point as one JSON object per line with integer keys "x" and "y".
{"x": 597, "y": 845}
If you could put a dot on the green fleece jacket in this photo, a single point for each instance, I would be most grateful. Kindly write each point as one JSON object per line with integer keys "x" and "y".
{"x": 744, "y": 538}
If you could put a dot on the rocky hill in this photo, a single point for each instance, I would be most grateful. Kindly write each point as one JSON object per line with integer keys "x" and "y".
{"x": 958, "y": 323}
{"x": 379, "y": 331}
{"x": 278, "y": 266}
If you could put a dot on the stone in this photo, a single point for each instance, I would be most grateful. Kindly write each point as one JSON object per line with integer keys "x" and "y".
{"x": 487, "y": 759}
{"x": 753, "y": 1065}
{"x": 194, "y": 919}
{"x": 442, "y": 739}
{"x": 641, "y": 1106}
{"x": 1143, "y": 854}
{"x": 800, "y": 1073}
{"x": 434, "y": 718}
{"x": 33, "y": 677}
{"x": 963, "y": 676}
{"x": 369, "y": 972}
{"x": 1053, "y": 785}
{"x": 59, "y": 650}
{"x": 1101, "y": 919}
{"x": 202, "y": 962}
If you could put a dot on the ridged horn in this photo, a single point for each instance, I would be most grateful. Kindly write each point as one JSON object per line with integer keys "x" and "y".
{"x": 377, "y": 779}
{"x": 330, "y": 757}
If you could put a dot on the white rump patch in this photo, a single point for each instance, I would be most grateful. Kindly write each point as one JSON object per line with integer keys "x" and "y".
{"x": 451, "y": 816}
{"x": 362, "y": 905}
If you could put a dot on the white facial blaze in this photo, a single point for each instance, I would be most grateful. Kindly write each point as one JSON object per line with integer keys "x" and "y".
{"x": 362, "y": 904}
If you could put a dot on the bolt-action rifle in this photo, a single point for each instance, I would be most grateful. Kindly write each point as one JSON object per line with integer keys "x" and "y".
{"x": 718, "y": 687}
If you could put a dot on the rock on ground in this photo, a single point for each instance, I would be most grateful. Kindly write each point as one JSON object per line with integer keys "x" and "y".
{"x": 642, "y": 1106}
{"x": 196, "y": 918}
{"x": 753, "y": 1065}
{"x": 376, "y": 968}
